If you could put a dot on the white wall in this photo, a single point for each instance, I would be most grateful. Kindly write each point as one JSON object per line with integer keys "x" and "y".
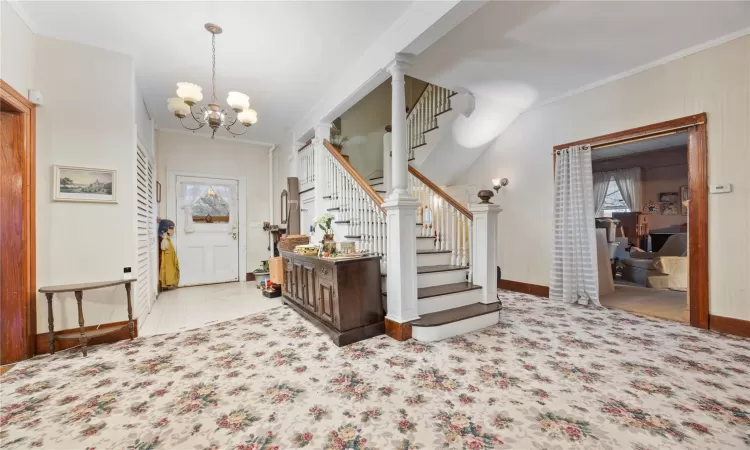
{"x": 715, "y": 81}
{"x": 281, "y": 170}
{"x": 198, "y": 154}
{"x": 88, "y": 120}
{"x": 16, "y": 50}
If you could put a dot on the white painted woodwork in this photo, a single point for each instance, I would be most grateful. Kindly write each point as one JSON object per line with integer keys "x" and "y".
{"x": 399, "y": 144}
{"x": 306, "y": 168}
{"x": 425, "y": 243}
{"x": 449, "y": 330}
{"x": 433, "y": 259}
{"x": 210, "y": 254}
{"x": 423, "y": 116}
{"x": 484, "y": 259}
{"x": 448, "y": 301}
{"x": 145, "y": 288}
{"x": 440, "y": 278}
{"x": 402, "y": 258}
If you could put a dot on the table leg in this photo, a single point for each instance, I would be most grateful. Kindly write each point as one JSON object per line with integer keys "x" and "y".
{"x": 130, "y": 311}
{"x": 83, "y": 340}
{"x": 51, "y": 323}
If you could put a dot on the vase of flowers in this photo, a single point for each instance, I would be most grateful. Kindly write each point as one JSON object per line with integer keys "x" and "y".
{"x": 328, "y": 244}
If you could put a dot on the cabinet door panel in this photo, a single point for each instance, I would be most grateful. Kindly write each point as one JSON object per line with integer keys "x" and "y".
{"x": 325, "y": 301}
{"x": 288, "y": 277}
{"x": 299, "y": 276}
{"x": 308, "y": 288}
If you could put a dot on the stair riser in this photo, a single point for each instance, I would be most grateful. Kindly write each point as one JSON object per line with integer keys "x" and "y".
{"x": 433, "y": 259}
{"x": 438, "y": 278}
{"x": 378, "y": 186}
{"x": 425, "y": 244}
{"x": 448, "y": 301}
{"x": 418, "y": 231}
{"x": 440, "y": 332}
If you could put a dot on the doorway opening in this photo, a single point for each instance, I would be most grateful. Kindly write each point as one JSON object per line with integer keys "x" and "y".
{"x": 673, "y": 225}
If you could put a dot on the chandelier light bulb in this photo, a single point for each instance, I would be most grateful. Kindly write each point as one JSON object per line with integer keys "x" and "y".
{"x": 238, "y": 101}
{"x": 247, "y": 117}
{"x": 178, "y": 107}
{"x": 189, "y": 92}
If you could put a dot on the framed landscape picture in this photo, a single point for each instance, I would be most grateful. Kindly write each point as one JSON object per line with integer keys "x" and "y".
{"x": 81, "y": 184}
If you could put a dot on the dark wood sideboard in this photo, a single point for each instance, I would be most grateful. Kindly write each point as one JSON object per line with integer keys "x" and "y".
{"x": 341, "y": 297}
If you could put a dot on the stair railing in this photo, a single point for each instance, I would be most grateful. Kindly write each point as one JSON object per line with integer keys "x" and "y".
{"x": 355, "y": 204}
{"x": 443, "y": 218}
{"x": 422, "y": 118}
{"x": 306, "y": 167}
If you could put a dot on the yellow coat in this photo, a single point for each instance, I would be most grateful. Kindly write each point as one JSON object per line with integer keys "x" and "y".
{"x": 169, "y": 272}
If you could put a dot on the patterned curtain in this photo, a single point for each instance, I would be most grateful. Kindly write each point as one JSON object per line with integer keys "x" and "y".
{"x": 573, "y": 273}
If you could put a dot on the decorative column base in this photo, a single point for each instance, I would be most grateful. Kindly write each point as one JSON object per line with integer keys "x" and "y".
{"x": 398, "y": 331}
{"x": 484, "y": 248}
{"x": 401, "y": 216}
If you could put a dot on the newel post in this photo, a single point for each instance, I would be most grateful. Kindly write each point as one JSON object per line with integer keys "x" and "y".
{"x": 401, "y": 219}
{"x": 484, "y": 259}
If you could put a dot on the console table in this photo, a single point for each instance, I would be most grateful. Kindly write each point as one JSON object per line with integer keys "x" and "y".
{"x": 340, "y": 296}
{"x": 83, "y": 337}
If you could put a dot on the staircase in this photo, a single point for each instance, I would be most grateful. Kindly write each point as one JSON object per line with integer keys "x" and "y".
{"x": 448, "y": 302}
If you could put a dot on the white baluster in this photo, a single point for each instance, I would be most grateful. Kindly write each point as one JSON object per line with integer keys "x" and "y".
{"x": 453, "y": 239}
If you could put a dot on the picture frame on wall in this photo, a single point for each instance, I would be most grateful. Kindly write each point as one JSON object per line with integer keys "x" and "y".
{"x": 84, "y": 184}
{"x": 684, "y": 196}
{"x": 669, "y": 197}
{"x": 158, "y": 192}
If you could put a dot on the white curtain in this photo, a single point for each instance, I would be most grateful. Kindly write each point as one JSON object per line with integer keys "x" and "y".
{"x": 601, "y": 184}
{"x": 629, "y": 183}
{"x": 574, "y": 274}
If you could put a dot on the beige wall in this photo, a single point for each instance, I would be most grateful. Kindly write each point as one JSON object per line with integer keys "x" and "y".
{"x": 715, "y": 81}
{"x": 662, "y": 171}
{"x": 196, "y": 154}
{"x": 365, "y": 122}
{"x": 84, "y": 242}
{"x": 16, "y": 50}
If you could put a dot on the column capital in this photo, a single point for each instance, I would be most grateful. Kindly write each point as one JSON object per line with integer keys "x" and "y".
{"x": 487, "y": 208}
{"x": 400, "y": 63}
{"x": 322, "y": 132}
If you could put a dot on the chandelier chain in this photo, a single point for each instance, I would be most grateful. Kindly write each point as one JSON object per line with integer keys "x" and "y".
{"x": 213, "y": 69}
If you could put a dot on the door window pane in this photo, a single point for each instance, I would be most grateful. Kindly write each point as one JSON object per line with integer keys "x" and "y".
{"x": 211, "y": 207}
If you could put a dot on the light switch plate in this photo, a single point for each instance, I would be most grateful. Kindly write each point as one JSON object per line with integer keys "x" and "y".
{"x": 720, "y": 188}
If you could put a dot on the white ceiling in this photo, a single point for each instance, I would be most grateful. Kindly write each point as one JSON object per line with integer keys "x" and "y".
{"x": 526, "y": 53}
{"x": 282, "y": 54}
{"x": 648, "y": 145}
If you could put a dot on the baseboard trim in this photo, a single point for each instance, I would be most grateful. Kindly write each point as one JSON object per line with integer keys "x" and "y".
{"x": 729, "y": 325}
{"x": 250, "y": 277}
{"x": 42, "y": 340}
{"x": 526, "y": 288}
{"x": 398, "y": 331}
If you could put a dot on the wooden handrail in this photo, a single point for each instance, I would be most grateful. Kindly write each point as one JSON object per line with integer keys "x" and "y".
{"x": 355, "y": 175}
{"x": 418, "y": 99}
{"x": 441, "y": 193}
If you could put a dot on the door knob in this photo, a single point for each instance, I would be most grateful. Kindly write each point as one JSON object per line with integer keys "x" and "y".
{"x": 234, "y": 235}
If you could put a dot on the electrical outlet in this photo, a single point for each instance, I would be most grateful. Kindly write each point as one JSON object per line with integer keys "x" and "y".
{"x": 127, "y": 273}
{"x": 720, "y": 188}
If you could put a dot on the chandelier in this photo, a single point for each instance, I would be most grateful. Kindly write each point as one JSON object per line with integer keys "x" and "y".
{"x": 188, "y": 94}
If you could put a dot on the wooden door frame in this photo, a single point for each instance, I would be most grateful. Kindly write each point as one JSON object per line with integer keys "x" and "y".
{"x": 12, "y": 101}
{"x": 698, "y": 187}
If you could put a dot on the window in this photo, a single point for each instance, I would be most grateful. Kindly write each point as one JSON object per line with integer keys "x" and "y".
{"x": 613, "y": 201}
{"x": 210, "y": 208}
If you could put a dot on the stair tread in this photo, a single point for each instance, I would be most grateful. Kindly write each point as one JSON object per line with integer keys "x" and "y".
{"x": 376, "y": 178}
{"x": 440, "y": 268}
{"x": 353, "y": 237}
{"x": 327, "y": 197}
{"x": 429, "y": 252}
{"x": 341, "y": 221}
{"x": 425, "y": 237}
{"x": 445, "y": 289}
{"x": 333, "y": 209}
{"x": 454, "y": 315}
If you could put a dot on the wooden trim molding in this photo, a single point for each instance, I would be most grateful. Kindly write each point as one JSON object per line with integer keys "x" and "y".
{"x": 696, "y": 126}
{"x": 14, "y": 102}
{"x": 461, "y": 208}
{"x": 42, "y": 340}
{"x": 526, "y": 288}
{"x": 398, "y": 331}
{"x": 640, "y": 132}
{"x": 355, "y": 175}
{"x": 729, "y": 325}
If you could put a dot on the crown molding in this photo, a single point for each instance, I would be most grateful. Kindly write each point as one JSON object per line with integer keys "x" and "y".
{"x": 221, "y": 138}
{"x": 661, "y": 61}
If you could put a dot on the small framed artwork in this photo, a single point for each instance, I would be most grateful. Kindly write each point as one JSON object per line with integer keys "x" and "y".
{"x": 651, "y": 207}
{"x": 669, "y": 209}
{"x": 158, "y": 192}
{"x": 669, "y": 197}
{"x": 684, "y": 196}
{"x": 82, "y": 184}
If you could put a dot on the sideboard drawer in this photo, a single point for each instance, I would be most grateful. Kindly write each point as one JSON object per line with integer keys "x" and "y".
{"x": 325, "y": 271}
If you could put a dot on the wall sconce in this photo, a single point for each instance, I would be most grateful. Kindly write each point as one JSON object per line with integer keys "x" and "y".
{"x": 498, "y": 183}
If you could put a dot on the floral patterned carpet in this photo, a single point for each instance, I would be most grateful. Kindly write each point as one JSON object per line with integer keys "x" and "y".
{"x": 547, "y": 376}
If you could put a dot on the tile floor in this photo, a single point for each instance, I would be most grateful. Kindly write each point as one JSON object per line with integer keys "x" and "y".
{"x": 193, "y": 307}
{"x": 660, "y": 303}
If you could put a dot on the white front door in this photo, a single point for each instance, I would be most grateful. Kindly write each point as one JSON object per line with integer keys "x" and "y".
{"x": 207, "y": 230}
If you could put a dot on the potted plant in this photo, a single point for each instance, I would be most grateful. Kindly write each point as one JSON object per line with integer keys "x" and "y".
{"x": 338, "y": 141}
{"x": 328, "y": 245}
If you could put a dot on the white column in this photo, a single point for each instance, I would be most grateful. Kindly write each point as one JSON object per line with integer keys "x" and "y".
{"x": 401, "y": 213}
{"x": 484, "y": 247}
{"x": 400, "y": 160}
{"x": 322, "y": 132}
{"x": 387, "y": 164}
